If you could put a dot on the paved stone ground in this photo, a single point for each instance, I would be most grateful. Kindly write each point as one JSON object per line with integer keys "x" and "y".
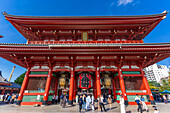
{"x": 9, "y": 108}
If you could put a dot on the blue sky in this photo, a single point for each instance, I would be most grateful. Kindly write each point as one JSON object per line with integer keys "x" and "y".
{"x": 80, "y": 8}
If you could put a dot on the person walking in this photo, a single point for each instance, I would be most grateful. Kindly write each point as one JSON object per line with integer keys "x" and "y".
{"x": 88, "y": 101}
{"x": 3, "y": 98}
{"x": 165, "y": 99}
{"x": 101, "y": 103}
{"x": 9, "y": 99}
{"x": 80, "y": 103}
{"x": 53, "y": 99}
{"x": 144, "y": 106}
{"x": 13, "y": 98}
{"x": 84, "y": 101}
{"x": 92, "y": 103}
{"x": 56, "y": 99}
{"x": 109, "y": 101}
{"x": 98, "y": 103}
{"x": 61, "y": 98}
{"x": 64, "y": 101}
{"x": 137, "y": 100}
{"x": 6, "y": 97}
{"x": 122, "y": 104}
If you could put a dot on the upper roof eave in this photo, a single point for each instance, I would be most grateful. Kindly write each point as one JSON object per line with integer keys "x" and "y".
{"x": 129, "y": 16}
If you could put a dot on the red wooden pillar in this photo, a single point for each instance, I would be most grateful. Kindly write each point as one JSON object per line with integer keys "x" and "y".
{"x": 3, "y": 91}
{"x": 114, "y": 88}
{"x": 98, "y": 86}
{"x": 11, "y": 91}
{"x": 24, "y": 85}
{"x": 71, "y": 89}
{"x": 75, "y": 88}
{"x": 145, "y": 82}
{"x": 122, "y": 86}
{"x": 94, "y": 88}
{"x": 47, "y": 87}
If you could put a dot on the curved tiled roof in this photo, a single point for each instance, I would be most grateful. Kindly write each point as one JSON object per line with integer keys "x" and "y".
{"x": 109, "y": 16}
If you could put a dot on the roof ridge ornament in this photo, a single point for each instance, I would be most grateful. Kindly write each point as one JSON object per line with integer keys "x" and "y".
{"x": 165, "y": 12}
{"x": 5, "y": 13}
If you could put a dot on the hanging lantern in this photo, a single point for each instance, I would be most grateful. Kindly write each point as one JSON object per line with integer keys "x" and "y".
{"x": 106, "y": 81}
{"x": 63, "y": 81}
{"x": 84, "y": 81}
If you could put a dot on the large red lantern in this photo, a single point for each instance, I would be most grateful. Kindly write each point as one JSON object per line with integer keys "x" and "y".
{"x": 84, "y": 81}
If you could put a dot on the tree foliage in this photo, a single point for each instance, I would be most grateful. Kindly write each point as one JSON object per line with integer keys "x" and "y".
{"x": 20, "y": 79}
{"x": 165, "y": 85}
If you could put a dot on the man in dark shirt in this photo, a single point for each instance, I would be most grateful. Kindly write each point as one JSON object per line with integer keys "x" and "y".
{"x": 80, "y": 103}
{"x": 138, "y": 101}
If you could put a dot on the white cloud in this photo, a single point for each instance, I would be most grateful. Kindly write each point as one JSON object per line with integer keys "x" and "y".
{"x": 124, "y": 2}
{"x": 112, "y": 3}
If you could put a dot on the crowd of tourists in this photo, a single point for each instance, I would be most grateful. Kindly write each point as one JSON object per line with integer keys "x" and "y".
{"x": 161, "y": 98}
{"x": 87, "y": 100}
{"x": 63, "y": 99}
{"x": 8, "y": 98}
{"x": 141, "y": 103}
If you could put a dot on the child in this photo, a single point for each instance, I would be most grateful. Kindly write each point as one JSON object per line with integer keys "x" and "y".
{"x": 155, "y": 109}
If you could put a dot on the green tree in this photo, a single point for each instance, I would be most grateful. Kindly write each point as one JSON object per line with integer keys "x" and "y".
{"x": 165, "y": 85}
{"x": 20, "y": 79}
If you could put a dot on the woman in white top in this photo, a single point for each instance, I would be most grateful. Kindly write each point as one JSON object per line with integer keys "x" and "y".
{"x": 122, "y": 105}
{"x": 92, "y": 103}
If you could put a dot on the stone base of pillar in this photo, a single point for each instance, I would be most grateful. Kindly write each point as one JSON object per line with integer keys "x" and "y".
{"x": 70, "y": 102}
{"x": 126, "y": 102}
{"x": 152, "y": 102}
{"x": 45, "y": 102}
{"x": 18, "y": 102}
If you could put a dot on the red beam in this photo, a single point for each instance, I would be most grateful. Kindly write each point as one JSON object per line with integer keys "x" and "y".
{"x": 137, "y": 75}
{"x": 134, "y": 93}
{"x": 85, "y": 69}
{"x": 104, "y": 69}
{"x": 130, "y": 69}
{"x": 38, "y": 75}
{"x": 39, "y": 69}
{"x": 54, "y": 70}
{"x": 33, "y": 94}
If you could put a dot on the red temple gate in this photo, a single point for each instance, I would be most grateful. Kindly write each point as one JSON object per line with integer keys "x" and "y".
{"x": 97, "y": 45}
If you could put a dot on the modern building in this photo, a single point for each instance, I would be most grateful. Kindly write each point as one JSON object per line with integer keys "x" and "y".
{"x": 75, "y": 54}
{"x": 156, "y": 72}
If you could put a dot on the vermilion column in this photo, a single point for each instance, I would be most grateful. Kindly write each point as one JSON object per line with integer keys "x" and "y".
{"x": 3, "y": 91}
{"x": 71, "y": 89}
{"x": 24, "y": 85}
{"x": 94, "y": 88}
{"x": 75, "y": 88}
{"x": 98, "y": 86}
{"x": 47, "y": 87}
{"x": 122, "y": 86}
{"x": 145, "y": 82}
{"x": 11, "y": 91}
{"x": 114, "y": 88}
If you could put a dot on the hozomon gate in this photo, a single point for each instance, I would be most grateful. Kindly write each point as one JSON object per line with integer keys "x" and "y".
{"x": 94, "y": 53}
